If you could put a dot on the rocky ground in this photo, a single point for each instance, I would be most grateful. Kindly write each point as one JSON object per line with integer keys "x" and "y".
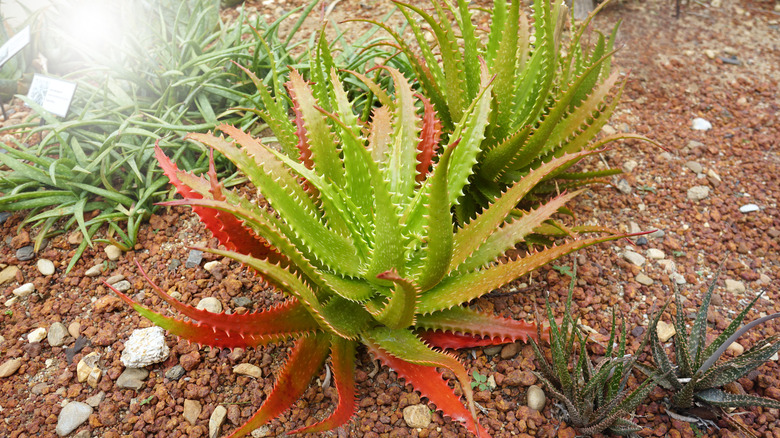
{"x": 711, "y": 197}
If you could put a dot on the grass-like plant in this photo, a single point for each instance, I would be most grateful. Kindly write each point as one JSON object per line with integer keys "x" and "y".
{"x": 356, "y": 228}
{"x": 594, "y": 399}
{"x": 695, "y": 377}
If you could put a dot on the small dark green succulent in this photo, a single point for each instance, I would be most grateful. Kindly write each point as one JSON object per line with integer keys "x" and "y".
{"x": 594, "y": 399}
{"x": 696, "y": 379}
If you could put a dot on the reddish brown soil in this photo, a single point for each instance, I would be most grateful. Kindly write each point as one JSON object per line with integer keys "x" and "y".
{"x": 672, "y": 81}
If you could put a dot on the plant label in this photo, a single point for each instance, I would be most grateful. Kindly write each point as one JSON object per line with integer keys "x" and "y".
{"x": 53, "y": 94}
{"x": 14, "y": 45}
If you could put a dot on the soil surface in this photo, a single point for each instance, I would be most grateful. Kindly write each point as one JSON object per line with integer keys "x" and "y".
{"x": 718, "y": 61}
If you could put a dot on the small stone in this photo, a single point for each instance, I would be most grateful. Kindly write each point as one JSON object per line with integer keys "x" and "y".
{"x": 175, "y": 372}
{"x": 24, "y": 290}
{"x": 629, "y": 166}
{"x": 241, "y": 301}
{"x": 8, "y": 274}
{"x": 644, "y": 279}
{"x": 45, "y": 267}
{"x": 94, "y": 377}
{"x": 9, "y": 367}
{"x": 210, "y": 304}
{"x": 764, "y": 279}
{"x": 192, "y": 409}
{"x": 72, "y": 416}
{"x": 417, "y": 416}
{"x": 700, "y": 124}
{"x": 608, "y": 130}
{"x": 85, "y": 366}
{"x": 261, "y": 432}
{"x": 113, "y": 252}
{"x": 95, "y": 400}
{"x": 735, "y": 287}
{"x": 664, "y": 157}
{"x": 634, "y": 258}
{"x": 247, "y": 369}
{"x": 624, "y": 186}
{"x": 510, "y": 350}
{"x": 657, "y": 234}
{"x": 709, "y": 53}
{"x": 669, "y": 266}
{"x": 665, "y": 331}
{"x": 713, "y": 175}
{"x": 536, "y": 398}
{"x": 492, "y": 350}
{"x": 57, "y": 334}
{"x": 114, "y": 279}
{"x": 697, "y": 193}
{"x": 145, "y": 347}
{"x": 25, "y": 253}
{"x": 74, "y": 329}
{"x": 193, "y": 259}
{"x": 641, "y": 241}
{"x": 75, "y": 238}
{"x": 11, "y": 302}
{"x": 655, "y": 254}
{"x": 36, "y": 335}
{"x": 677, "y": 278}
{"x": 132, "y": 378}
{"x": 122, "y": 286}
{"x": 212, "y": 265}
{"x": 749, "y": 208}
{"x": 4, "y": 215}
{"x": 216, "y": 420}
{"x": 735, "y": 348}
{"x": 695, "y": 167}
{"x": 94, "y": 271}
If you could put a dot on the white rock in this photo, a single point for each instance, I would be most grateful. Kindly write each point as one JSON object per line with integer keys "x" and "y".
{"x": 10, "y": 302}
{"x": 261, "y": 432}
{"x": 417, "y": 416}
{"x": 57, "y": 334}
{"x": 216, "y": 420}
{"x": 749, "y": 208}
{"x": 697, "y": 193}
{"x": 45, "y": 267}
{"x": 665, "y": 331}
{"x": 210, "y": 304}
{"x": 643, "y": 279}
{"x": 192, "y": 410}
{"x": 536, "y": 398}
{"x": 112, "y": 280}
{"x": 145, "y": 347}
{"x": 210, "y": 266}
{"x": 86, "y": 365}
{"x": 94, "y": 271}
{"x": 247, "y": 369}
{"x": 668, "y": 265}
{"x": 700, "y": 124}
{"x": 677, "y": 278}
{"x": 24, "y": 290}
{"x": 122, "y": 286}
{"x": 694, "y": 166}
{"x": 735, "y": 287}
{"x": 629, "y": 166}
{"x": 608, "y": 130}
{"x": 655, "y": 254}
{"x": 736, "y": 348}
{"x": 113, "y": 252}
{"x": 36, "y": 335}
{"x": 72, "y": 416}
{"x": 709, "y": 53}
{"x": 714, "y": 175}
{"x": 634, "y": 258}
{"x": 9, "y": 367}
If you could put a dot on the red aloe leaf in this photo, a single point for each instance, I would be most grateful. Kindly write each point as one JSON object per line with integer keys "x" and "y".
{"x": 306, "y": 358}
{"x": 300, "y": 129}
{"x": 203, "y": 334}
{"x": 343, "y": 358}
{"x": 289, "y": 317}
{"x": 429, "y": 138}
{"x": 430, "y": 383}
{"x": 224, "y": 226}
{"x": 456, "y": 340}
{"x": 463, "y": 325}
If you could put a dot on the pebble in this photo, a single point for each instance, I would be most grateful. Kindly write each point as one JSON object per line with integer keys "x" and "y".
{"x": 85, "y": 366}
{"x": 74, "y": 329}
{"x": 735, "y": 287}
{"x": 75, "y": 238}
{"x": 492, "y": 350}
{"x": 536, "y": 398}
{"x": 700, "y": 124}
{"x": 764, "y": 279}
{"x": 175, "y": 372}
{"x": 261, "y": 432}
{"x": 193, "y": 258}
{"x": 113, "y": 252}
{"x": 36, "y": 335}
{"x": 122, "y": 286}
{"x": 709, "y": 53}
{"x": 24, "y": 290}
{"x": 247, "y": 369}
{"x": 697, "y": 193}
{"x": 664, "y": 156}
{"x": 241, "y": 301}
{"x": 115, "y": 279}
{"x": 94, "y": 377}
{"x": 644, "y": 279}
{"x": 173, "y": 265}
{"x": 634, "y": 258}
{"x": 669, "y": 266}
{"x": 749, "y": 208}
{"x": 608, "y": 130}
{"x": 72, "y": 416}
{"x": 4, "y": 215}
{"x": 216, "y": 420}
{"x": 210, "y": 304}
{"x": 624, "y": 186}
{"x": 9, "y": 367}
{"x": 57, "y": 334}
{"x": 509, "y": 351}
{"x": 94, "y": 271}
{"x": 694, "y": 166}
{"x": 11, "y": 302}
{"x": 25, "y": 253}
{"x": 145, "y": 347}
{"x": 678, "y": 278}
{"x": 713, "y": 175}
{"x": 665, "y": 331}
{"x": 735, "y": 348}
{"x": 212, "y": 265}
{"x": 417, "y": 416}
{"x": 45, "y": 267}
{"x": 655, "y": 254}
{"x": 192, "y": 409}
{"x": 641, "y": 241}
{"x": 95, "y": 400}
{"x": 132, "y": 378}
{"x": 657, "y": 234}
{"x": 8, "y": 274}
{"x": 629, "y": 166}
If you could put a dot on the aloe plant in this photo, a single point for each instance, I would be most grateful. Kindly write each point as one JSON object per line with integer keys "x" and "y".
{"x": 594, "y": 399}
{"x": 545, "y": 104}
{"x": 361, "y": 239}
{"x": 696, "y": 377}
